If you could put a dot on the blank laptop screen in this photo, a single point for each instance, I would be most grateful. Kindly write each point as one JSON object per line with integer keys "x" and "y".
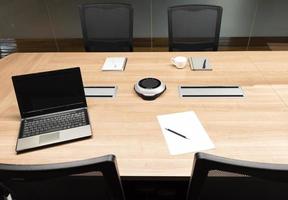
{"x": 47, "y": 92}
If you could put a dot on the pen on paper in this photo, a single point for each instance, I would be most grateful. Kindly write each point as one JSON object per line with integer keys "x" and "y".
{"x": 204, "y": 64}
{"x": 176, "y": 133}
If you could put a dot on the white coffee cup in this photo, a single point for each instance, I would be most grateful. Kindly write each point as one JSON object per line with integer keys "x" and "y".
{"x": 179, "y": 61}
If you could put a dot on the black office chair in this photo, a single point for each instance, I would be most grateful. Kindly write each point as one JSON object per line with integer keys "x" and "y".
{"x": 215, "y": 177}
{"x": 107, "y": 26}
{"x": 62, "y": 181}
{"x": 194, "y": 27}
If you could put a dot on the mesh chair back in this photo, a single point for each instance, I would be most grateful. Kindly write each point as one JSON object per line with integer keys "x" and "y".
{"x": 215, "y": 177}
{"x": 96, "y": 178}
{"x": 194, "y": 27}
{"x": 107, "y": 27}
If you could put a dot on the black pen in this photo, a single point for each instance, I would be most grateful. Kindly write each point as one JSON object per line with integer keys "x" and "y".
{"x": 176, "y": 133}
{"x": 204, "y": 64}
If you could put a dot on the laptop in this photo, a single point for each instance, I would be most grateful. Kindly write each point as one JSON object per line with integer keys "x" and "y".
{"x": 53, "y": 108}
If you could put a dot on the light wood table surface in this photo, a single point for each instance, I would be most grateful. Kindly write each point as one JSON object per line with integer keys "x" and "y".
{"x": 253, "y": 128}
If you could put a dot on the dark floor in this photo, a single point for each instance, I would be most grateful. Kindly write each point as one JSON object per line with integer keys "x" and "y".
{"x": 140, "y": 44}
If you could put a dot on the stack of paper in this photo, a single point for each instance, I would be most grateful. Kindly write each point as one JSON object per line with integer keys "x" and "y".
{"x": 188, "y": 125}
{"x": 114, "y": 64}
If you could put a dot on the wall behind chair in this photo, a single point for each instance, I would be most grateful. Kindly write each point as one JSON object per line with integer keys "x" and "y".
{"x": 60, "y": 18}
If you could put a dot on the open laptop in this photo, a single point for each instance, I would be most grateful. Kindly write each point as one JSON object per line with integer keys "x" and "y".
{"x": 53, "y": 108}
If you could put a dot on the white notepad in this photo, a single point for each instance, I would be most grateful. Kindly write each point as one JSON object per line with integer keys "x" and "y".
{"x": 114, "y": 64}
{"x": 187, "y": 124}
{"x": 201, "y": 64}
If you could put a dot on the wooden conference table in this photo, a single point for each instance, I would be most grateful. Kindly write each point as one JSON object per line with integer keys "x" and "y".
{"x": 253, "y": 128}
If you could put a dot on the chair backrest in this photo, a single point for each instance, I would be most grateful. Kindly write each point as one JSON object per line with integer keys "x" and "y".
{"x": 7, "y": 46}
{"x": 194, "y": 27}
{"x": 232, "y": 170}
{"x": 107, "y": 26}
{"x": 15, "y": 180}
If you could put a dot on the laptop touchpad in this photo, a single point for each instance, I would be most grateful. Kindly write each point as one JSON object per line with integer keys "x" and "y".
{"x": 47, "y": 138}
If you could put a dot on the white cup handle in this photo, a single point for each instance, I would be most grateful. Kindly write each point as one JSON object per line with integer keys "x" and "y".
{"x": 172, "y": 60}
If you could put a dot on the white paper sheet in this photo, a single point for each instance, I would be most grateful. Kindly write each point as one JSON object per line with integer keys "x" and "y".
{"x": 187, "y": 124}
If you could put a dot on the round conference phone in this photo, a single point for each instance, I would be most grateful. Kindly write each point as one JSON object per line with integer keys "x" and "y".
{"x": 149, "y": 88}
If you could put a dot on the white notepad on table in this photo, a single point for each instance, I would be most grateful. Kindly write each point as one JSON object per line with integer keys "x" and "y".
{"x": 187, "y": 124}
{"x": 202, "y": 64}
{"x": 114, "y": 64}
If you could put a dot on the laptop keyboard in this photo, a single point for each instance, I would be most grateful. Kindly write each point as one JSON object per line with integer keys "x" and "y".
{"x": 57, "y": 122}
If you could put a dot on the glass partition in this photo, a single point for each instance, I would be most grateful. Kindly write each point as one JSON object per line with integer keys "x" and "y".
{"x": 26, "y": 23}
{"x": 67, "y": 26}
{"x": 270, "y": 29}
{"x": 237, "y": 20}
{"x": 54, "y": 25}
